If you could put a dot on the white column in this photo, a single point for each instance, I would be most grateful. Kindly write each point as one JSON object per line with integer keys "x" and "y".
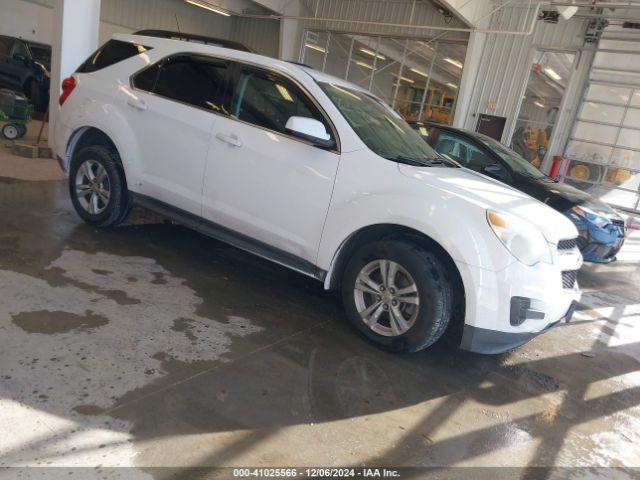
{"x": 291, "y": 32}
{"x": 76, "y": 25}
{"x": 467, "y": 85}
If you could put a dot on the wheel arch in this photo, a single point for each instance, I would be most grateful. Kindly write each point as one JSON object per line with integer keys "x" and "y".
{"x": 378, "y": 232}
{"x": 84, "y": 137}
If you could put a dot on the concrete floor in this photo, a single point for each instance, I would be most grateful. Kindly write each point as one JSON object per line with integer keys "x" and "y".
{"x": 150, "y": 345}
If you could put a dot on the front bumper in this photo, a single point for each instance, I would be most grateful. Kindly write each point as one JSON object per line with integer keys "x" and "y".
{"x": 482, "y": 340}
{"x": 507, "y": 308}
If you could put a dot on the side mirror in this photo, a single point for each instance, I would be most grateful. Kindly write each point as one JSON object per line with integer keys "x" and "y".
{"x": 311, "y": 130}
{"x": 495, "y": 170}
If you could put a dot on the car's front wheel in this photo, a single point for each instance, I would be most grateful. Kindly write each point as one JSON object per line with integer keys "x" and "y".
{"x": 398, "y": 295}
{"x": 97, "y": 187}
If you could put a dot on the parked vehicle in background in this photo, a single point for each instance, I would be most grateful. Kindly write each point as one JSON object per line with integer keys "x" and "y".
{"x": 24, "y": 67}
{"x": 318, "y": 175}
{"x": 602, "y": 230}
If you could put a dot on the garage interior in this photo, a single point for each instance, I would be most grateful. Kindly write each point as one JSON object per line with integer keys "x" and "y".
{"x": 141, "y": 350}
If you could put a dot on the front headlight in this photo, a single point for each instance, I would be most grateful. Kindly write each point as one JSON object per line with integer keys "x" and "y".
{"x": 598, "y": 220}
{"x": 522, "y": 239}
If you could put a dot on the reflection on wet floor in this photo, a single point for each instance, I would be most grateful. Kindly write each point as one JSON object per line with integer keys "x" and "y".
{"x": 150, "y": 345}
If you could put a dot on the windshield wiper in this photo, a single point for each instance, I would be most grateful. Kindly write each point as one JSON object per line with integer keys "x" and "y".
{"x": 432, "y": 162}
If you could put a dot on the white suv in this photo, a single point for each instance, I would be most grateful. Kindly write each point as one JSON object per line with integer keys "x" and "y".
{"x": 320, "y": 176}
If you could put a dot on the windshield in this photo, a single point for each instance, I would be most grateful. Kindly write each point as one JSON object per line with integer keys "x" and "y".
{"x": 511, "y": 158}
{"x": 379, "y": 127}
{"x": 41, "y": 54}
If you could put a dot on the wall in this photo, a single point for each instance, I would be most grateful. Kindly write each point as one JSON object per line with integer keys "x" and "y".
{"x": 33, "y": 19}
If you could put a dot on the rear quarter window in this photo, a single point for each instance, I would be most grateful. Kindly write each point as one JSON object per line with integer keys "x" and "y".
{"x": 110, "y": 53}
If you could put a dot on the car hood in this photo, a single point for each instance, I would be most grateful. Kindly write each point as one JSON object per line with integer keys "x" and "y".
{"x": 551, "y": 190}
{"x": 487, "y": 193}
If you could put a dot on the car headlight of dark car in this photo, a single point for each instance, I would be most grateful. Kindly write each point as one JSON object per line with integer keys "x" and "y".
{"x": 599, "y": 220}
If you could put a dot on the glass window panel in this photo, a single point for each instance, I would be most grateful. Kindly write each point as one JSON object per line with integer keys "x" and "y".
{"x": 618, "y": 45}
{"x": 595, "y": 132}
{"x": 578, "y": 170}
{"x": 603, "y": 75}
{"x": 606, "y": 193}
{"x": 632, "y": 119}
{"x": 314, "y": 48}
{"x": 607, "y": 93}
{"x": 626, "y": 158}
{"x": 588, "y": 152}
{"x": 622, "y": 61}
{"x": 622, "y": 177}
{"x": 549, "y": 75}
{"x": 600, "y": 112}
{"x": 629, "y": 138}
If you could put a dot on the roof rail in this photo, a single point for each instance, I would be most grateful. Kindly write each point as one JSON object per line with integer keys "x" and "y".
{"x": 190, "y": 37}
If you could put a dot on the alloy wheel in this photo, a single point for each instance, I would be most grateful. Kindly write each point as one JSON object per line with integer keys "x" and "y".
{"x": 386, "y": 297}
{"x": 93, "y": 187}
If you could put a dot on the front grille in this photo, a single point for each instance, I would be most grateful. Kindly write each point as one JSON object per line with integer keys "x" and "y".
{"x": 569, "y": 278}
{"x": 569, "y": 244}
{"x": 618, "y": 223}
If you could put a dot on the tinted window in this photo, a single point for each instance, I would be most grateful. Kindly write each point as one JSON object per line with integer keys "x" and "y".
{"x": 146, "y": 79}
{"x": 5, "y": 45}
{"x": 195, "y": 80}
{"x": 269, "y": 101}
{"x": 112, "y": 52}
{"x": 41, "y": 54}
{"x": 462, "y": 150}
{"x": 20, "y": 49}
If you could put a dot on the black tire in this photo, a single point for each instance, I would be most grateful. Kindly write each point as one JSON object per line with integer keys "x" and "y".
{"x": 117, "y": 208}
{"x": 11, "y": 131}
{"x": 433, "y": 288}
{"x": 23, "y": 130}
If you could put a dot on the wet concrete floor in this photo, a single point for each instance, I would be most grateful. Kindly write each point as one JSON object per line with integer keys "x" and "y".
{"x": 149, "y": 345}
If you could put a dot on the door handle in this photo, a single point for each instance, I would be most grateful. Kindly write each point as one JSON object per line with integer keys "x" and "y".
{"x": 137, "y": 103}
{"x": 230, "y": 139}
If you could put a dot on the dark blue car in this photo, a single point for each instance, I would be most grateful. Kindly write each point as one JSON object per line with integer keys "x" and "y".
{"x": 602, "y": 230}
{"x": 24, "y": 67}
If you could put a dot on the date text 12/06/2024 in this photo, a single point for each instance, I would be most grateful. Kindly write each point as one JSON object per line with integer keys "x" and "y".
{"x": 316, "y": 473}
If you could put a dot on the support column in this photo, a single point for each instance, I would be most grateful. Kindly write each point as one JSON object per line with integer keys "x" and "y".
{"x": 291, "y": 32}
{"x": 76, "y": 25}
{"x": 468, "y": 81}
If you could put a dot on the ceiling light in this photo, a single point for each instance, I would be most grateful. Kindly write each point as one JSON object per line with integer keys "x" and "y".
{"x": 453, "y": 62}
{"x": 567, "y": 11}
{"x": 424, "y": 44}
{"x": 371, "y": 53}
{"x": 419, "y": 72}
{"x": 451, "y": 85}
{"x": 365, "y": 65}
{"x": 315, "y": 47}
{"x": 208, "y": 6}
{"x": 408, "y": 80}
{"x": 541, "y": 105}
{"x": 552, "y": 74}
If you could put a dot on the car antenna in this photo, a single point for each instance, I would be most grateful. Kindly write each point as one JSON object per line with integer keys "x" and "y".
{"x": 177, "y": 24}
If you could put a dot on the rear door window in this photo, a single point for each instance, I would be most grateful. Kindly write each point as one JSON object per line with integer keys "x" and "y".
{"x": 110, "y": 53}
{"x": 192, "y": 79}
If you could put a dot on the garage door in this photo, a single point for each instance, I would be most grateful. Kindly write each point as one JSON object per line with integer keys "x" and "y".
{"x": 604, "y": 148}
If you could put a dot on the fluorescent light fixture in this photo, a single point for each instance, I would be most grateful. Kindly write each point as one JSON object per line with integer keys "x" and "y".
{"x": 371, "y": 53}
{"x": 364, "y": 64}
{"x": 451, "y": 85}
{"x": 408, "y": 80}
{"x": 424, "y": 44}
{"x": 419, "y": 72}
{"x": 567, "y": 11}
{"x": 453, "y": 62}
{"x": 538, "y": 104}
{"x": 208, "y": 6}
{"x": 552, "y": 74}
{"x": 315, "y": 47}
{"x": 284, "y": 93}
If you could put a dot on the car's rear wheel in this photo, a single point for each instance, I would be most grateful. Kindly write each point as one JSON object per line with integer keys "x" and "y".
{"x": 97, "y": 187}
{"x": 398, "y": 295}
